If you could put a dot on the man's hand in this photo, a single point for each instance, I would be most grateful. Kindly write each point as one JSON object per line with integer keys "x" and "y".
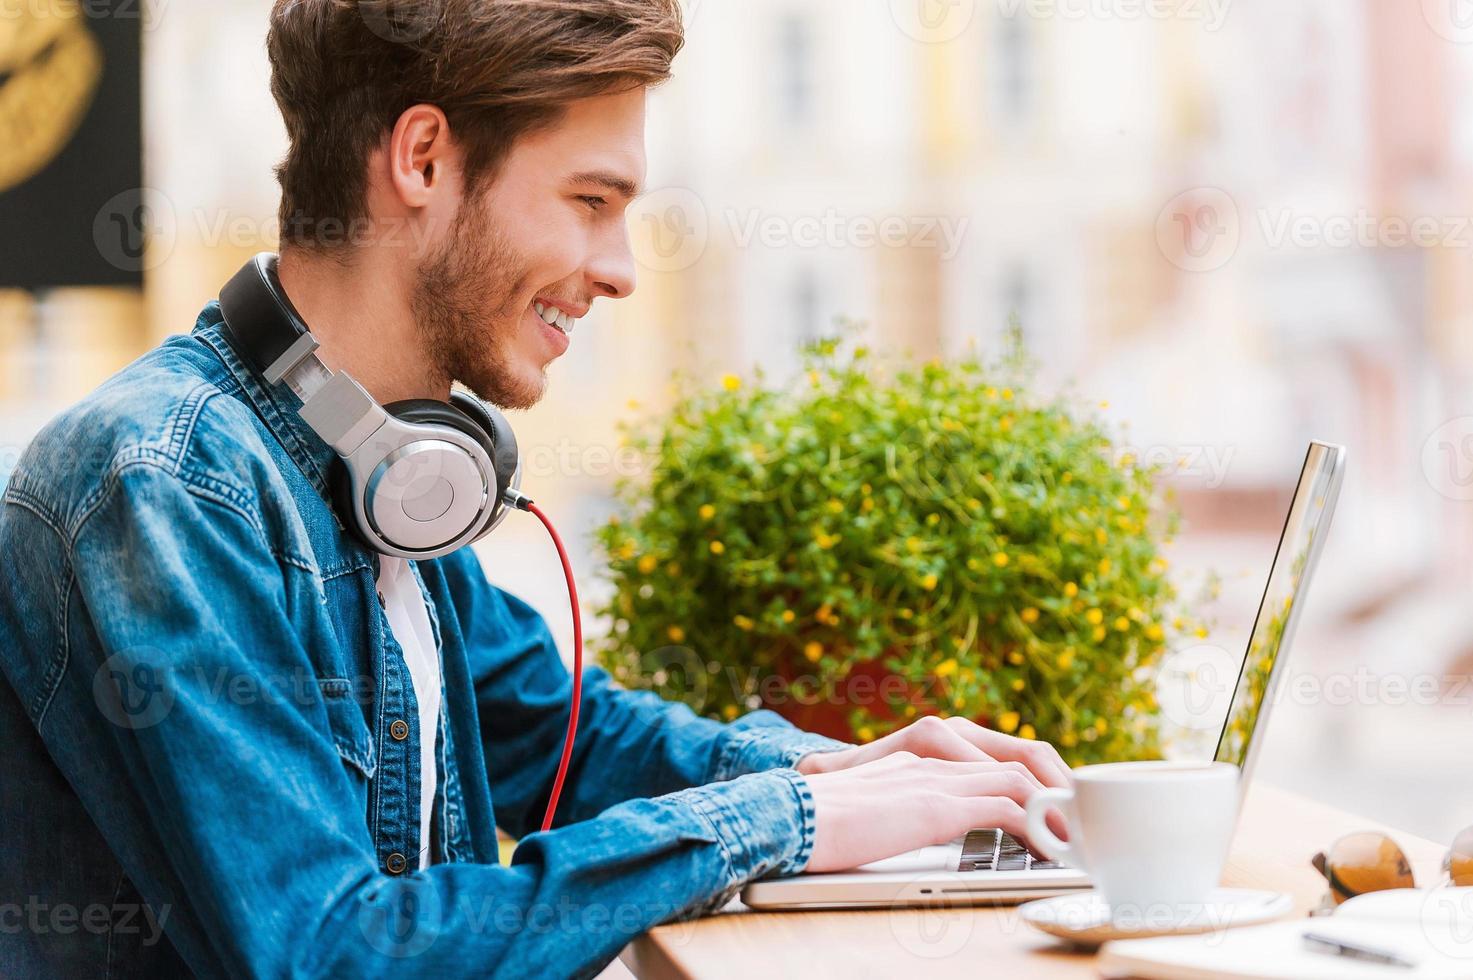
{"x": 955, "y": 739}
{"x": 901, "y": 801}
{"x": 951, "y": 774}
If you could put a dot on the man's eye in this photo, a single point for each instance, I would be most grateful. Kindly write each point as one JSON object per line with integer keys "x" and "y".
{"x": 592, "y": 201}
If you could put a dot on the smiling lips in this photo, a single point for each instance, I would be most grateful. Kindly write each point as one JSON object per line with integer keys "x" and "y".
{"x": 555, "y": 317}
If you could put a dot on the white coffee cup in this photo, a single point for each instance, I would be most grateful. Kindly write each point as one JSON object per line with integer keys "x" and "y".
{"x": 1152, "y": 835}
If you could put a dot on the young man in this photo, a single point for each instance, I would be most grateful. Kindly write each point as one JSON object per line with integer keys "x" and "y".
{"x": 237, "y": 741}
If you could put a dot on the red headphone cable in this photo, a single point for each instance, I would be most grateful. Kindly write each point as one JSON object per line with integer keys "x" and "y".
{"x": 562, "y": 553}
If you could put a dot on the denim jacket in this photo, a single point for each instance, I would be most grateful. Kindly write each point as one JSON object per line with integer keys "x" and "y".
{"x": 210, "y": 741}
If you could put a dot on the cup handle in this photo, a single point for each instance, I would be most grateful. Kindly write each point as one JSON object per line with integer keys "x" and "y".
{"x": 1036, "y": 823}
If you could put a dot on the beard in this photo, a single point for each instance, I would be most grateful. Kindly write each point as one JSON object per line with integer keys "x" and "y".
{"x": 465, "y": 306}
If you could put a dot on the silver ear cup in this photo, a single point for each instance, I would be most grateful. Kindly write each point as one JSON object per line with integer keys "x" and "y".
{"x": 421, "y": 492}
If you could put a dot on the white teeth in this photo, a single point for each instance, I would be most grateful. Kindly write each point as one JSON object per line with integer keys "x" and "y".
{"x": 554, "y": 317}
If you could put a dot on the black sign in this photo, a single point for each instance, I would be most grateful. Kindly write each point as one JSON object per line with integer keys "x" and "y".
{"x": 72, "y": 208}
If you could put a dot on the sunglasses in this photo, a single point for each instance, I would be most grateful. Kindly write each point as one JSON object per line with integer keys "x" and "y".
{"x": 1371, "y": 862}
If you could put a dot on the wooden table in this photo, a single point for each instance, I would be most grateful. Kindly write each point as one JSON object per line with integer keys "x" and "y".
{"x": 1277, "y": 835}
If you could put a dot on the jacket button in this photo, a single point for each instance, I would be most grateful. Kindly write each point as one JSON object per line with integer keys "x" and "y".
{"x": 399, "y": 730}
{"x": 395, "y": 863}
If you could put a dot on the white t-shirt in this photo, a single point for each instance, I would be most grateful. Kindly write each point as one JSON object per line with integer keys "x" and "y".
{"x": 404, "y": 605}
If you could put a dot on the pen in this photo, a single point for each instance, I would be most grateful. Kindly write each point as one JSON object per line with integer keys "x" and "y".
{"x": 1339, "y": 947}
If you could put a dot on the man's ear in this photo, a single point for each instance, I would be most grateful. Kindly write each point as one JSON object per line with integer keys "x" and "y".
{"x": 420, "y": 155}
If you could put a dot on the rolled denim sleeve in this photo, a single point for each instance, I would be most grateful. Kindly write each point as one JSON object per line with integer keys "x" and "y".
{"x": 765, "y": 740}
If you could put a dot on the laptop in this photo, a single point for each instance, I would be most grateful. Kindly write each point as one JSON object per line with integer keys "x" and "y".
{"x": 987, "y": 866}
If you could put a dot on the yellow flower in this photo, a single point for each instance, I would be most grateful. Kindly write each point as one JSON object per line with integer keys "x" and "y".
{"x": 866, "y": 489}
{"x": 1101, "y": 725}
{"x": 992, "y": 394}
{"x": 973, "y": 564}
{"x": 933, "y": 519}
{"x": 1122, "y": 502}
{"x": 743, "y": 622}
{"x": 707, "y": 511}
{"x": 789, "y": 615}
{"x": 813, "y": 650}
{"x": 1007, "y": 394}
{"x": 929, "y": 582}
{"x": 1027, "y": 732}
{"x": 825, "y": 540}
{"x": 813, "y": 377}
{"x": 676, "y": 634}
{"x": 1155, "y": 632}
{"x": 1068, "y": 740}
{"x": 914, "y": 544}
{"x": 1008, "y": 721}
{"x": 647, "y": 564}
{"x": 717, "y": 548}
{"x": 1101, "y": 536}
{"x": 865, "y": 733}
{"x": 1098, "y": 634}
{"x": 946, "y": 667}
{"x": 1066, "y": 659}
{"x": 730, "y": 711}
{"x": 1017, "y": 684}
{"x": 835, "y": 506}
{"x": 1070, "y": 590}
{"x": 1015, "y": 657}
{"x": 866, "y": 505}
{"x": 1122, "y": 624}
{"x": 973, "y": 503}
{"x": 1000, "y": 559}
{"x": 731, "y": 382}
{"x": 1104, "y": 566}
{"x": 1201, "y": 632}
{"x": 1095, "y": 617}
{"x": 1029, "y": 615}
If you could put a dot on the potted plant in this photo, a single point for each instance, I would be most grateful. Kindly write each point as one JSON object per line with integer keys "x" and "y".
{"x": 865, "y": 545}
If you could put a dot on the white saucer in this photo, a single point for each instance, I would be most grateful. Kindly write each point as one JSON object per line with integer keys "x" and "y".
{"x": 1085, "y": 919}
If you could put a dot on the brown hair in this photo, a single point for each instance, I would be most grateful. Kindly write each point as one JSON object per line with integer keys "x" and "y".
{"x": 342, "y": 72}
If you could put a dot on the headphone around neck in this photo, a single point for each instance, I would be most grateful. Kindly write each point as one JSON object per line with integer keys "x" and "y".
{"x": 417, "y": 478}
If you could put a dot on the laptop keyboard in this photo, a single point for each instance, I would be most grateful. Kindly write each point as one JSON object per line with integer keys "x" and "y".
{"x": 995, "y": 850}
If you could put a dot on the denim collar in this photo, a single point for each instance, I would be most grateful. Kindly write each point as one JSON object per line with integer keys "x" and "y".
{"x": 277, "y": 404}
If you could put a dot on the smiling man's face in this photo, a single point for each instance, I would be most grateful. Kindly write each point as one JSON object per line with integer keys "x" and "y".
{"x": 498, "y": 299}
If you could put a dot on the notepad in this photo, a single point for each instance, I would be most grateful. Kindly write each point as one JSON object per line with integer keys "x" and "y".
{"x": 1432, "y": 928}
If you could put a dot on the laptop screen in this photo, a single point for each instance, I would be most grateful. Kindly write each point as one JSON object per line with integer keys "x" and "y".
{"x": 1288, "y": 578}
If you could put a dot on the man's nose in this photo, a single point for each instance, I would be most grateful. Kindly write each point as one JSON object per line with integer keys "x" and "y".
{"x": 611, "y": 272}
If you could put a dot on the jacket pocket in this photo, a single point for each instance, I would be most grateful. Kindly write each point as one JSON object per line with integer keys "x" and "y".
{"x": 350, "y": 732}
